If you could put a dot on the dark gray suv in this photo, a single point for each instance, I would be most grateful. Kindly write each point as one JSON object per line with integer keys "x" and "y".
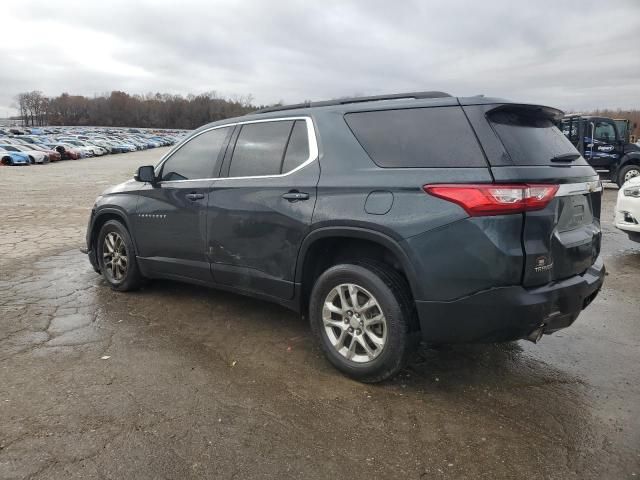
{"x": 383, "y": 219}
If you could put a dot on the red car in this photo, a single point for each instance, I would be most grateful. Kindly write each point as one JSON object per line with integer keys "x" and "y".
{"x": 66, "y": 151}
{"x": 54, "y": 156}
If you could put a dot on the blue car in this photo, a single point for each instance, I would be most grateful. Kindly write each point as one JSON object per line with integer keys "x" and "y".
{"x": 13, "y": 158}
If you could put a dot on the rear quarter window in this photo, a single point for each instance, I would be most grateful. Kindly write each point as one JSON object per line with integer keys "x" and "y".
{"x": 530, "y": 136}
{"x": 417, "y": 137}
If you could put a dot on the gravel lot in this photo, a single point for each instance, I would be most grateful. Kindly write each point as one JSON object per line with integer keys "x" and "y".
{"x": 177, "y": 381}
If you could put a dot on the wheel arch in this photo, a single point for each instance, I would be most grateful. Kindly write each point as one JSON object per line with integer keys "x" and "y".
{"x": 324, "y": 246}
{"x": 102, "y": 217}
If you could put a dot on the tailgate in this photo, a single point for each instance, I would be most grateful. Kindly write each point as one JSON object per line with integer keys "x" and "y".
{"x": 563, "y": 239}
{"x": 523, "y": 145}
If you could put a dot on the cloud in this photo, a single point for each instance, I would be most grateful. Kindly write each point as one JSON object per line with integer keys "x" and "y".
{"x": 571, "y": 54}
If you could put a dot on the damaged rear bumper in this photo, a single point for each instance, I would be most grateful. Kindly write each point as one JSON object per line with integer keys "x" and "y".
{"x": 510, "y": 313}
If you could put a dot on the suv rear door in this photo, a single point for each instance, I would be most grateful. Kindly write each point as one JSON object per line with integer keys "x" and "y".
{"x": 260, "y": 213}
{"x": 524, "y": 146}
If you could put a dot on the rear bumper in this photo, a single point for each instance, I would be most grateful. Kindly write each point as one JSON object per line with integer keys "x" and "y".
{"x": 510, "y": 313}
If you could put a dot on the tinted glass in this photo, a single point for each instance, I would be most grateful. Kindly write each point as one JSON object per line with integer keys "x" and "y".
{"x": 197, "y": 158}
{"x": 417, "y": 137}
{"x": 530, "y": 137}
{"x": 298, "y": 147}
{"x": 259, "y": 149}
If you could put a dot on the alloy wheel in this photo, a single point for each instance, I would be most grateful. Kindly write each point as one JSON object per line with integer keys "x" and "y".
{"x": 114, "y": 255}
{"x": 354, "y": 323}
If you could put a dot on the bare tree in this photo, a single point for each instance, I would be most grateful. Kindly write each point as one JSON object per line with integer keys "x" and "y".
{"x": 161, "y": 110}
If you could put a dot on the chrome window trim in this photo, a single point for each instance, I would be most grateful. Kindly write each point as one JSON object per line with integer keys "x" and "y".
{"x": 311, "y": 138}
{"x": 568, "y": 189}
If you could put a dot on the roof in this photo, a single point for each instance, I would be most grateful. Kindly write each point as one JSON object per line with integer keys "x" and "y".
{"x": 356, "y": 104}
{"x": 351, "y": 100}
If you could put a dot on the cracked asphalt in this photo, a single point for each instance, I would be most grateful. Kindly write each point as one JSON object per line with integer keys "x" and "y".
{"x": 177, "y": 381}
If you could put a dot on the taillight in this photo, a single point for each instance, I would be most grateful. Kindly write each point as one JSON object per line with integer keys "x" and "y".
{"x": 495, "y": 199}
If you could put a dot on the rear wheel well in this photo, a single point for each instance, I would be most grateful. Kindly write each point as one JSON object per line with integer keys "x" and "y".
{"x": 326, "y": 252}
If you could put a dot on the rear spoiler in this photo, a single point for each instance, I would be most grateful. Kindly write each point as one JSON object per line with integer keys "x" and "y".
{"x": 553, "y": 114}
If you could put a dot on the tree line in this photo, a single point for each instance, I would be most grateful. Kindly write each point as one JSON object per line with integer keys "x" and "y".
{"x": 154, "y": 110}
{"x": 163, "y": 110}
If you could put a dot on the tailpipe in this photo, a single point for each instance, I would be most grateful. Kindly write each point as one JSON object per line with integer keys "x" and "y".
{"x": 536, "y": 334}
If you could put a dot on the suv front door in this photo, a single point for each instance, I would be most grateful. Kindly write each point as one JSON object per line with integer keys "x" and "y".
{"x": 171, "y": 221}
{"x": 260, "y": 213}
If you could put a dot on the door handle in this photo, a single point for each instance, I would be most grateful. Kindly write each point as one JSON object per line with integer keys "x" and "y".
{"x": 193, "y": 196}
{"x": 294, "y": 196}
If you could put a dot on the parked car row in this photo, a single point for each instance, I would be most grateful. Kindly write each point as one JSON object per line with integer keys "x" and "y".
{"x": 40, "y": 146}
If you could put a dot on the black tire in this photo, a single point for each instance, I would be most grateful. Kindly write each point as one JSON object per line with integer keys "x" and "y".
{"x": 32, "y": 160}
{"x": 392, "y": 294}
{"x": 131, "y": 279}
{"x": 624, "y": 171}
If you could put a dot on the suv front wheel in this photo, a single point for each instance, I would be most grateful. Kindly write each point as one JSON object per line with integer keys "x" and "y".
{"x": 360, "y": 315}
{"x": 116, "y": 257}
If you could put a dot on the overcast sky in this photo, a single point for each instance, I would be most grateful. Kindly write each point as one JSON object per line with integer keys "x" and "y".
{"x": 571, "y": 54}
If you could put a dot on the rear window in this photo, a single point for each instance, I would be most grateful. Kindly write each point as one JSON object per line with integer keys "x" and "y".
{"x": 417, "y": 137}
{"x": 530, "y": 136}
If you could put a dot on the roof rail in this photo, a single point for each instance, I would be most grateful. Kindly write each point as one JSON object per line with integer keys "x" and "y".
{"x": 344, "y": 101}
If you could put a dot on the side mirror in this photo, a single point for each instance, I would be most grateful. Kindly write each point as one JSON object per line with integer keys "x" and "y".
{"x": 146, "y": 174}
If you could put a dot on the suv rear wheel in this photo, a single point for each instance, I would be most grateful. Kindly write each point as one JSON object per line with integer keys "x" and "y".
{"x": 115, "y": 254}
{"x": 360, "y": 315}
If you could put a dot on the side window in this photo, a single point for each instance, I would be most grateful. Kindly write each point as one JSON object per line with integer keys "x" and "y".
{"x": 196, "y": 158}
{"x": 417, "y": 137}
{"x": 605, "y": 131}
{"x": 570, "y": 129}
{"x": 260, "y": 148}
{"x": 298, "y": 147}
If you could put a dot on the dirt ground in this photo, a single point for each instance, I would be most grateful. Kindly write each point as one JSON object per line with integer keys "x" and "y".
{"x": 177, "y": 381}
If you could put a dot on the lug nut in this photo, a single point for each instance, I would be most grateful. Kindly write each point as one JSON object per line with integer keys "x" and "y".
{"x": 346, "y": 320}
{"x": 349, "y": 313}
{"x": 358, "y": 331}
{"x": 350, "y": 329}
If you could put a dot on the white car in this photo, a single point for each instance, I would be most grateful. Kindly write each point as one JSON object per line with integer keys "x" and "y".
{"x": 628, "y": 209}
{"x": 36, "y": 156}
